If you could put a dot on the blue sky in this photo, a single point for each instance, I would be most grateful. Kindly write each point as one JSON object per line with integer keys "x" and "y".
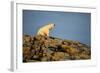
{"x": 69, "y": 25}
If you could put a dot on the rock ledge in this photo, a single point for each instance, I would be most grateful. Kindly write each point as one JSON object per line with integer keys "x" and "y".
{"x": 42, "y": 48}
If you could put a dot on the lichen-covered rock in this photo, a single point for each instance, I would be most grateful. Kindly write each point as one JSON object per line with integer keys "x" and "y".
{"x": 69, "y": 49}
{"x": 26, "y": 54}
{"x": 43, "y": 48}
{"x": 57, "y": 56}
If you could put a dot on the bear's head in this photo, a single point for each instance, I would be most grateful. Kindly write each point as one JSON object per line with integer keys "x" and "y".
{"x": 51, "y": 25}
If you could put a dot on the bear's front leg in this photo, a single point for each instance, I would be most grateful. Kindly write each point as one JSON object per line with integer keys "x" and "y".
{"x": 47, "y": 33}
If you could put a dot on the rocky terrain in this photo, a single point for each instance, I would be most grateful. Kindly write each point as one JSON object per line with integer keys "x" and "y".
{"x": 43, "y": 48}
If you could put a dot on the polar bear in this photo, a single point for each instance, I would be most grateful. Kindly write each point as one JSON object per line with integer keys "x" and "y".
{"x": 45, "y": 30}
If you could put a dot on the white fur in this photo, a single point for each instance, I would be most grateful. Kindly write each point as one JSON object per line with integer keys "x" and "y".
{"x": 45, "y": 30}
